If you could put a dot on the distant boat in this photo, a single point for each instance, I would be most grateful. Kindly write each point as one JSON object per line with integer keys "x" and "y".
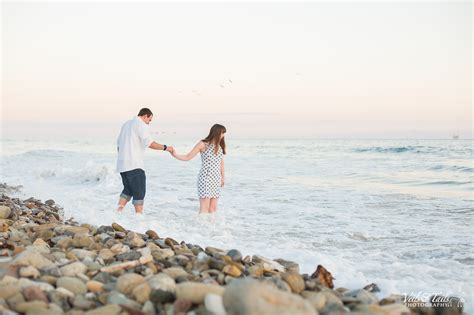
{"x": 455, "y": 136}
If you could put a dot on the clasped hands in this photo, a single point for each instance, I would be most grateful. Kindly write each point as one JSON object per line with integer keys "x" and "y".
{"x": 171, "y": 150}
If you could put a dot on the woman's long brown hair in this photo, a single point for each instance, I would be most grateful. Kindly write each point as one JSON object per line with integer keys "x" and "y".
{"x": 215, "y": 137}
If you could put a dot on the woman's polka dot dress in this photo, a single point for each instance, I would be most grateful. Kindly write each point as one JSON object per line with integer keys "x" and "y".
{"x": 209, "y": 179}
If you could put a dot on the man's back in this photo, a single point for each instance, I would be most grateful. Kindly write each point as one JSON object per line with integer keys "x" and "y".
{"x": 132, "y": 141}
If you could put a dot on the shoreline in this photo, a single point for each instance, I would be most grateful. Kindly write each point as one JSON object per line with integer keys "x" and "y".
{"x": 49, "y": 265}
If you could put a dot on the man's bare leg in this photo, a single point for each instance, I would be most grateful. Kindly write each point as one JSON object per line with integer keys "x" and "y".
{"x": 139, "y": 209}
{"x": 121, "y": 204}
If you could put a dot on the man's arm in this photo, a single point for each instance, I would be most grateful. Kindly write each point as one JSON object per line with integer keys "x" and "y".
{"x": 158, "y": 146}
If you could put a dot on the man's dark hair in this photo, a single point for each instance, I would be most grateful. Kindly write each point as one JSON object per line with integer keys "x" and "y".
{"x": 145, "y": 111}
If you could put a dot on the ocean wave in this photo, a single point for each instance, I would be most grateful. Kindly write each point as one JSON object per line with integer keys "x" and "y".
{"x": 89, "y": 174}
{"x": 454, "y": 168}
{"x": 445, "y": 182}
{"x": 402, "y": 149}
{"x": 67, "y": 167}
{"x": 360, "y": 236}
{"x": 47, "y": 153}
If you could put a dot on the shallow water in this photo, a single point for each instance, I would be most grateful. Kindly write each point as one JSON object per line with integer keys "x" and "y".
{"x": 395, "y": 212}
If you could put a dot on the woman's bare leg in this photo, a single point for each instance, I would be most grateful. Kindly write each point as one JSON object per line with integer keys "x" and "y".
{"x": 204, "y": 205}
{"x": 213, "y": 205}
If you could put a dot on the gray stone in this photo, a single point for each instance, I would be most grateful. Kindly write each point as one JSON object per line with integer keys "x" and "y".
{"x": 148, "y": 308}
{"x": 160, "y": 254}
{"x": 119, "y": 298}
{"x": 214, "y": 304}
{"x": 29, "y": 272}
{"x": 82, "y": 253}
{"x": 137, "y": 241}
{"x": 175, "y": 272}
{"x": 215, "y": 252}
{"x": 359, "y": 295}
{"x": 294, "y": 280}
{"x": 160, "y": 296}
{"x": 70, "y": 229}
{"x": 252, "y": 297}
{"x": 34, "y": 293}
{"x": 32, "y": 258}
{"x": 74, "y": 269}
{"x": 152, "y": 234}
{"x": 104, "y": 277}
{"x": 289, "y": 265}
{"x": 196, "y": 292}
{"x": 82, "y": 240}
{"x": 320, "y": 299}
{"x": 127, "y": 282}
{"x": 52, "y": 271}
{"x": 235, "y": 255}
{"x": 39, "y": 246}
{"x": 106, "y": 254}
{"x": 7, "y": 291}
{"x": 118, "y": 227}
{"x": 27, "y": 307}
{"x": 372, "y": 288}
{"x": 162, "y": 281}
{"x": 105, "y": 229}
{"x": 141, "y": 293}
{"x": 336, "y": 308}
{"x": 400, "y": 309}
{"x": 15, "y": 299}
{"x": 80, "y": 302}
{"x": 131, "y": 255}
{"x": 24, "y": 282}
{"x": 111, "y": 309}
{"x": 59, "y": 299}
{"x": 5, "y": 212}
{"x": 268, "y": 264}
{"x": 279, "y": 283}
{"x": 74, "y": 285}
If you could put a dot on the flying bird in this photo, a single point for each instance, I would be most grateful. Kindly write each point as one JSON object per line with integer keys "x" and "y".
{"x": 225, "y": 83}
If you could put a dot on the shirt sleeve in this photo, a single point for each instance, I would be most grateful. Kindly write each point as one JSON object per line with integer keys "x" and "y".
{"x": 145, "y": 136}
{"x": 119, "y": 137}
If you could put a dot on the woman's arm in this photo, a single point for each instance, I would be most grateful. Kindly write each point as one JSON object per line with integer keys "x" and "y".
{"x": 222, "y": 173}
{"x": 197, "y": 148}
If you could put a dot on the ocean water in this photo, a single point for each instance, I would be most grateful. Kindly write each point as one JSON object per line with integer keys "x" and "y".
{"x": 398, "y": 213}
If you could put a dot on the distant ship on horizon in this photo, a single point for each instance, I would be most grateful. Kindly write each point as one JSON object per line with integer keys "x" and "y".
{"x": 455, "y": 136}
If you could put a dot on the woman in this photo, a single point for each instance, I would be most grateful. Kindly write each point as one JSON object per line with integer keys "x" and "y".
{"x": 211, "y": 175}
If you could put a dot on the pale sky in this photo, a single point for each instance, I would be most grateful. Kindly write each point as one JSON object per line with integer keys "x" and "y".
{"x": 323, "y": 70}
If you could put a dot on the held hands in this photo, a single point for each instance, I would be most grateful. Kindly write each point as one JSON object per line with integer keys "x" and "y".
{"x": 170, "y": 150}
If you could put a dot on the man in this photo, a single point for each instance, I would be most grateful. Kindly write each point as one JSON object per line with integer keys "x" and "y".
{"x": 132, "y": 141}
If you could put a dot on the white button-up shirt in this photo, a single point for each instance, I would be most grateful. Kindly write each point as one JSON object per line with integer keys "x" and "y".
{"x": 132, "y": 141}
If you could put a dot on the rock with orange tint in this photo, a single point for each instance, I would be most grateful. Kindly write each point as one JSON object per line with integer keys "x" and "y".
{"x": 324, "y": 276}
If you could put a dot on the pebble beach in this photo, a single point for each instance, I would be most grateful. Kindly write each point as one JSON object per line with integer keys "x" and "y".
{"x": 53, "y": 265}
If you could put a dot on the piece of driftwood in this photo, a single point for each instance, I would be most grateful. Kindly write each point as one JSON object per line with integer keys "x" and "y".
{"x": 121, "y": 266}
